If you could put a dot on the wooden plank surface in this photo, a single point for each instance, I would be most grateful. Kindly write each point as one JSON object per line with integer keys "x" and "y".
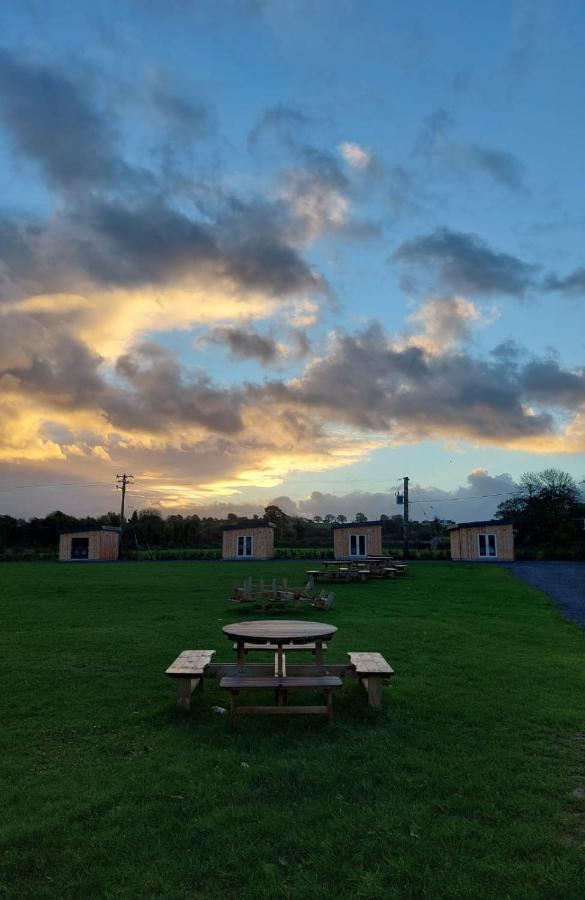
{"x": 370, "y": 664}
{"x": 287, "y": 631}
{"x": 190, "y": 662}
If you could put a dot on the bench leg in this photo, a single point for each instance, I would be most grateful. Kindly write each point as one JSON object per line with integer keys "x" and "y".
{"x": 329, "y": 699}
{"x": 186, "y": 687}
{"x": 374, "y": 689}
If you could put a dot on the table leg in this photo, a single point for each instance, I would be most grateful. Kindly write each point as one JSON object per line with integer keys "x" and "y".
{"x": 241, "y": 653}
{"x": 279, "y": 656}
{"x": 319, "y": 653}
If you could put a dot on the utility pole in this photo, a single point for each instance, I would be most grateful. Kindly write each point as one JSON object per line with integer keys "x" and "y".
{"x": 122, "y": 482}
{"x": 405, "y": 520}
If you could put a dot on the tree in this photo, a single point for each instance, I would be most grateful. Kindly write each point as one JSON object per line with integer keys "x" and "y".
{"x": 274, "y": 514}
{"x": 360, "y": 517}
{"x": 329, "y": 518}
{"x": 341, "y": 519}
{"x": 545, "y": 510}
{"x": 317, "y": 520}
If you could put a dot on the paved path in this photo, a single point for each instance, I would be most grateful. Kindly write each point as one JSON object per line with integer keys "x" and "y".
{"x": 564, "y": 583}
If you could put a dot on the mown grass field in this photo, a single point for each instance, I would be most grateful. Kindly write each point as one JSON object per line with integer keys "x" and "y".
{"x": 469, "y": 783}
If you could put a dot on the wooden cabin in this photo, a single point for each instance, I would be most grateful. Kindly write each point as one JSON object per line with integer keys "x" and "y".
{"x": 99, "y": 543}
{"x": 248, "y": 540}
{"x": 482, "y": 541}
{"x": 354, "y": 540}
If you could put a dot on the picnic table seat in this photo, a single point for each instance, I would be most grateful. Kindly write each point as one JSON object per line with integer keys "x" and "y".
{"x": 372, "y": 669}
{"x": 400, "y": 568}
{"x": 281, "y": 684}
{"x": 188, "y": 670}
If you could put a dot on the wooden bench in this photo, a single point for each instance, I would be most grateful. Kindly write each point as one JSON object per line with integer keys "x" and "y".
{"x": 371, "y": 669}
{"x": 400, "y": 569}
{"x": 390, "y": 572}
{"x": 281, "y": 685}
{"x": 287, "y": 648}
{"x": 188, "y": 670}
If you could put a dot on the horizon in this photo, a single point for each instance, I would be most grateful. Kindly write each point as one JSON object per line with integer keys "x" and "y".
{"x": 255, "y": 252}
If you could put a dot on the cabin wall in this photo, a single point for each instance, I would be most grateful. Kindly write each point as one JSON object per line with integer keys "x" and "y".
{"x": 464, "y": 543}
{"x": 109, "y": 545}
{"x": 373, "y": 542}
{"x": 262, "y": 543}
{"x": 103, "y": 546}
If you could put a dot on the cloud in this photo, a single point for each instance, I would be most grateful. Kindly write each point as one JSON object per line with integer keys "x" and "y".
{"x": 445, "y": 322}
{"x": 464, "y": 263}
{"x": 246, "y": 344}
{"x": 462, "y": 158}
{"x": 477, "y": 499}
{"x": 502, "y": 166}
{"x": 280, "y": 122}
{"x": 364, "y": 382}
{"x": 572, "y": 284}
{"x": 50, "y": 120}
{"x": 187, "y": 117}
{"x": 355, "y": 156}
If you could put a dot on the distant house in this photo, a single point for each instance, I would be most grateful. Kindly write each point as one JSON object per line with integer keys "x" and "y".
{"x": 248, "y": 540}
{"x": 352, "y": 540}
{"x": 482, "y": 541}
{"x": 98, "y": 543}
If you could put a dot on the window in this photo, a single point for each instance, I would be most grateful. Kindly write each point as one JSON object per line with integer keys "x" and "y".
{"x": 357, "y": 545}
{"x": 487, "y": 545}
{"x": 245, "y": 545}
{"x": 79, "y": 548}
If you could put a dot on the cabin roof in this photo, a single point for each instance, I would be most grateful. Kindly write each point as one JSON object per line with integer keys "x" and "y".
{"x": 83, "y": 529}
{"x": 248, "y": 525}
{"x": 355, "y": 524}
{"x": 478, "y": 524}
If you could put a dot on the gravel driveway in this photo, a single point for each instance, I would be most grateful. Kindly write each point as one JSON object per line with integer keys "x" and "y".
{"x": 564, "y": 583}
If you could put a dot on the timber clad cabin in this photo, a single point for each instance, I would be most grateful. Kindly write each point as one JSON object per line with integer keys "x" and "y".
{"x": 482, "y": 541}
{"x": 248, "y": 540}
{"x": 99, "y": 543}
{"x": 353, "y": 540}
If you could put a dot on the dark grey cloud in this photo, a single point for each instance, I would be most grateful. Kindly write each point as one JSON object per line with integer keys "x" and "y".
{"x": 161, "y": 392}
{"x": 111, "y": 243}
{"x": 366, "y": 383}
{"x": 572, "y": 284}
{"x": 280, "y": 122}
{"x": 440, "y": 149}
{"x": 246, "y": 344}
{"x": 502, "y": 166}
{"x": 187, "y": 117}
{"x": 546, "y": 382}
{"x": 50, "y": 120}
{"x": 463, "y": 262}
{"x": 48, "y": 362}
{"x": 153, "y": 393}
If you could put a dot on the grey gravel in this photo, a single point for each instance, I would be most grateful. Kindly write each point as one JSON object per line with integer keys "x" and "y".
{"x": 564, "y": 583}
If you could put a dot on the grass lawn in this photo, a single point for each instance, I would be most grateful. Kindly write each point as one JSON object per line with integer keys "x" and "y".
{"x": 469, "y": 784}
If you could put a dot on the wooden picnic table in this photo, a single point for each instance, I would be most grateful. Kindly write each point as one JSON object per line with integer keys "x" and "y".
{"x": 279, "y": 633}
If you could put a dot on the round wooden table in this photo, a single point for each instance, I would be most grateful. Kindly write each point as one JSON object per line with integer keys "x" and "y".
{"x": 279, "y": 633}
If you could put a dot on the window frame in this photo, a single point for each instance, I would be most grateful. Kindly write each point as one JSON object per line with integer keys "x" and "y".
{"x": 246, "y": 543}
{"x": 80, "y": 543}
{"x": 486, "y": 541}
{"x": 359, "y": 538}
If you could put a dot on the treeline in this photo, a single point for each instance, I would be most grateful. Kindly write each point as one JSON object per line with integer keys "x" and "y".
{"x": 149, "y": 531}
{"x": 548, "y": 514}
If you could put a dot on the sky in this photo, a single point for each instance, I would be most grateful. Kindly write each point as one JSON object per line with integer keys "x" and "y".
{"x": 259, "y": 250}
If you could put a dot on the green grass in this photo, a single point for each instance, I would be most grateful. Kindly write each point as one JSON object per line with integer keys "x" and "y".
{"x": 468, "y": 784}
